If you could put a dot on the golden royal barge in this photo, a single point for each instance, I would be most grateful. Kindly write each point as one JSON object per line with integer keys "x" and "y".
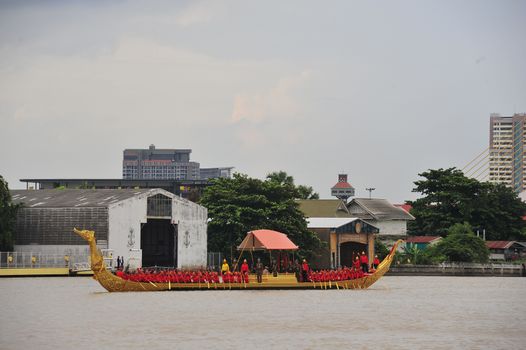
{"x": 113, "y": 283}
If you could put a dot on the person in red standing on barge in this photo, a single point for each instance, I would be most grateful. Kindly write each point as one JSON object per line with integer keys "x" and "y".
{"x": 305, "y": 270}
{"x": 364, "y": 261}
{"x": 244, "y": 271}
{"x": 376, "y": 262}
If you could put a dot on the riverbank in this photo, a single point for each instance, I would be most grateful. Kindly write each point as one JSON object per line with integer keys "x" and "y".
{"x": 480, "y": 270}
{"x": 42, "y": 272}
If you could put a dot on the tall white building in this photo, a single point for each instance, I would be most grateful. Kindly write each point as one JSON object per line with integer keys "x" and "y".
{"x": 506, "y": 150}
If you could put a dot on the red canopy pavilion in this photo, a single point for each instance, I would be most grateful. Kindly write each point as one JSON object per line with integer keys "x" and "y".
{"x": 268, "y": 240}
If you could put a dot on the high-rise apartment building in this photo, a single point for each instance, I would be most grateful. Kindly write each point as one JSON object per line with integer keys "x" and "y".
{"x": 507, "y": 138}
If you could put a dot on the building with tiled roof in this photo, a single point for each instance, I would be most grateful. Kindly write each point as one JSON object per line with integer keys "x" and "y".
{"x": 505, "y": 250}
{"x": 389, "y": 219}
{"x": 386, "y": 221}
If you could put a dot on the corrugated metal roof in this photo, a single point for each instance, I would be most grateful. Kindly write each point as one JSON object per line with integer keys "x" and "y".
{"x": 315, "y": 208}
{"x": 381, "y": 209}
{"x": 328, "y": 222}
{"x": 72, "y": 197}
{"x": 499, "y": 244}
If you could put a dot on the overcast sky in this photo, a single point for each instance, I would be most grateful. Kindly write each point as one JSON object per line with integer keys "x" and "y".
{"x": 381, "y": 90}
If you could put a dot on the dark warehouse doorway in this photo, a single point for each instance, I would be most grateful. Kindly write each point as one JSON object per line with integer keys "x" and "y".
{"x": 159, "y": 243}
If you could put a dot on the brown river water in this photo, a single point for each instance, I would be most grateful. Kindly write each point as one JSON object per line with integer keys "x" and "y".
{"x": 395, "y": 313}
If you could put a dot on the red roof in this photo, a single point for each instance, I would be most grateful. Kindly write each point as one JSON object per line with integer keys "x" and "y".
{"x": 267, "y": 239}
{"x": 421, "y": 239}
{"x": 499, "y": 244}
{"x": 406, "y": 207}
{"x": 342, "y": 185}
{"x": 164, "y": 161}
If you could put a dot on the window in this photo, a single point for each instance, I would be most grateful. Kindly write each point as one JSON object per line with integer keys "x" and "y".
{"x": 159, "y": 206}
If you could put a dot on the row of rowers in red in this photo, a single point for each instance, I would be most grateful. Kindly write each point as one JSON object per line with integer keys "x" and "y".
{"x": 337, "y": 275}
{"x": 178, "y": 276}
{"x": 173, "y": 276}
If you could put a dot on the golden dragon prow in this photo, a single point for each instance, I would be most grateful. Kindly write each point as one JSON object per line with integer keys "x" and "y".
{"x": 113, "y": 283}
{"x": 107, "y": 279}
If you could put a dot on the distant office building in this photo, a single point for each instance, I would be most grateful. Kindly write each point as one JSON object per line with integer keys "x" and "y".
{"x": 166, "y": 164}
{"x": 506, "y": 150}
{"x": 155, "y": 164}
{"x": 212, "y": 173}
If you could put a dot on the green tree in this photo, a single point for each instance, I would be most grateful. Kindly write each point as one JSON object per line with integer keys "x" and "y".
{"x": 301, "y": 191}
{"x": 380, "y": 249}
{"x": 7, "y": 217}
{"x": 461, "y": 245}
{"x": 449, "y": 197}
{"x": 241, "y": 204}
{"x": 420, "y": 256}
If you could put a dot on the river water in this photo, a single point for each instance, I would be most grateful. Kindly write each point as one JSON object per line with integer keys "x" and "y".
{"x": 395, "y": 313}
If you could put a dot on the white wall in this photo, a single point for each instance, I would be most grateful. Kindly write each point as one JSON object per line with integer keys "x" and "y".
{"x": 188, "y": 216}
{"x": 390, "y": 227}
{"x": 191, "y": 220}
{"x": 124, "y": 228}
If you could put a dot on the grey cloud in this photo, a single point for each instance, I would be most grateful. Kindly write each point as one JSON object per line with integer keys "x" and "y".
{"x": 380, "y": 90}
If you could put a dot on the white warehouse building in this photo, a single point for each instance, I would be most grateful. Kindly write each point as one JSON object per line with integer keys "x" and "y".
{"x": 148, "y": 227}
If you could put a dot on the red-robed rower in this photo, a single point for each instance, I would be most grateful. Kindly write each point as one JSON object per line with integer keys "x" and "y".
{"x": 376, "y": 262}
{"x": 356, "y": 263}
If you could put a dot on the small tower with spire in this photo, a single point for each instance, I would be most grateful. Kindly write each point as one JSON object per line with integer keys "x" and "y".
{"x": 342, "y": 190}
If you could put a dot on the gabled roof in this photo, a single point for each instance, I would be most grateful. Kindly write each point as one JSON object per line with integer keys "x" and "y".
{"x": 499, "y": 244}
{"x": 334, "y": 223}
{"x": 63, "y": 198}
{"x": 315, "y": 208}
{"x": 381, "y": 209}
{"x": 422, "y": 239}
{"x": 267, "y": 239}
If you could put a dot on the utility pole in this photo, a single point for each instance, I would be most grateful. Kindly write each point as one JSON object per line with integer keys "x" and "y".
{"x": 370, "y": 189}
